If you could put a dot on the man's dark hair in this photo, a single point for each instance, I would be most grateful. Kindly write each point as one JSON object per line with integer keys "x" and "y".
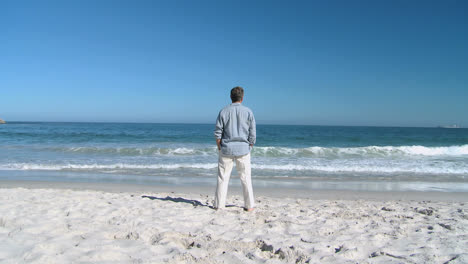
{"x": 237, "y": 93}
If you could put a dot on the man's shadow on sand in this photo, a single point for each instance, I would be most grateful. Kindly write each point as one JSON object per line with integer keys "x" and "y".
{"x": 195, "y": 203}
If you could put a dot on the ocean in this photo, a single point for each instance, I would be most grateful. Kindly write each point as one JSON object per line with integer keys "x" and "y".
{"x": 307, "y": 157}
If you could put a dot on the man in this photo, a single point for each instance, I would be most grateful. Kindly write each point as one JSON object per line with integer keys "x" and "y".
{"x": 235, "y": 135}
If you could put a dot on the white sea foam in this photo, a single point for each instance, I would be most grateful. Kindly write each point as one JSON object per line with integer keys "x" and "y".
{"x": 364, "y": 169}
{"x": 326, "y": 152}
{"x": 347, "y": 167}
{"x": 117, "y": 166}
{"x": 369, "y": 151}
{"x": 136, "y": 151}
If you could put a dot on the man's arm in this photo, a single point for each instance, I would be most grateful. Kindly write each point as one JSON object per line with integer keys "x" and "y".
{"x": 252, "y": 131}
{"x": 218, "y": 143}
{"x": 218, "y": 132}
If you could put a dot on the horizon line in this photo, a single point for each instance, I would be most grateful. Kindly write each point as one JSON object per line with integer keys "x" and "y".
{"x": 194, "y": 123}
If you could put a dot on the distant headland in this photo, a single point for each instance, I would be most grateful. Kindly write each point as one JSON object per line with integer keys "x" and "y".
{"x": 2, "y": 121}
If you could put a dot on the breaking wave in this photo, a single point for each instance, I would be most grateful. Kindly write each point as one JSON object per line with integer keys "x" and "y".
{"x": 369, "y": 151}
{"x": 319, "y": 152}
{"x": 334, "y": 168}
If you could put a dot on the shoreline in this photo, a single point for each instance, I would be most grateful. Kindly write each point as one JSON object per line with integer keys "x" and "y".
{"x": 273, "y": 192}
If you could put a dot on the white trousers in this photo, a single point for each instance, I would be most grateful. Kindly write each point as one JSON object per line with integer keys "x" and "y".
{"x": 225, "y": 164}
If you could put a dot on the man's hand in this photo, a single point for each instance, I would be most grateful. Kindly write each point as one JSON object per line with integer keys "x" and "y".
{"x": 218, "y": 142}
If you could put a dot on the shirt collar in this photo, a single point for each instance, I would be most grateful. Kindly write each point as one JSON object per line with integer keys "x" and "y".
{"x": 235, "y": 103}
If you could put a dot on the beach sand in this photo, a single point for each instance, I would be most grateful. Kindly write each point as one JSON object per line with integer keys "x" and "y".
{"x": 111, "y": 223}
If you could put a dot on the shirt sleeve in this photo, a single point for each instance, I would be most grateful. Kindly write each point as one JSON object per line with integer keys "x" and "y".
{"x": 218, "y": 132}
{"x": 252, "y": 130}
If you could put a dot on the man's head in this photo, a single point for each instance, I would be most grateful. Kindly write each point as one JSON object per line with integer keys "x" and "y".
{"x": 237, "y": 94}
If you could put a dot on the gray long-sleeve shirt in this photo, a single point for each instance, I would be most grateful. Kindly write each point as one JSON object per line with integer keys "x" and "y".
{"x": 235, "y": 126}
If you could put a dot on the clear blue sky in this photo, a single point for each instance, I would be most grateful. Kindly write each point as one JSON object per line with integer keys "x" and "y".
{"x": 392, "y": 63}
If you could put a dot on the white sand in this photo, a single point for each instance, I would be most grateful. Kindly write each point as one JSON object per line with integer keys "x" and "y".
{"x": 90, "y": 226}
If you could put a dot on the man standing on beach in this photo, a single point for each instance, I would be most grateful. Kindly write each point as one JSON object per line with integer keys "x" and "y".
{"x": 235, "y": 135}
